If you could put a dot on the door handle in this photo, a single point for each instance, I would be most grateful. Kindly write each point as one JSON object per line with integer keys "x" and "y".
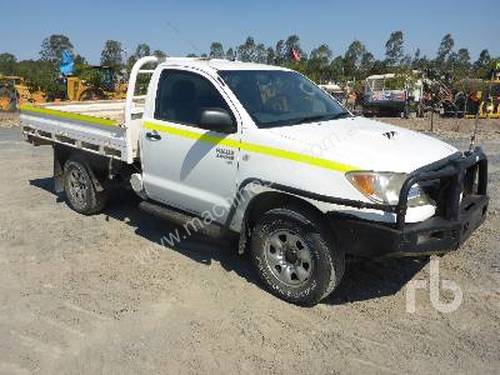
{"x": 153, "y": 136}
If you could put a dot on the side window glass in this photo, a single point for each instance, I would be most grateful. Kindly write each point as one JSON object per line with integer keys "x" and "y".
{"x": 183, "y": 96}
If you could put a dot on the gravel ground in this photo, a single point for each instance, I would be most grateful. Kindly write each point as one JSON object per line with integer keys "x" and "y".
{"x": 101, "y": 295}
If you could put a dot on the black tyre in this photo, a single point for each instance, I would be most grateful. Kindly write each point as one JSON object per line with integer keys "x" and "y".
{"x": 81, "y": 194}
{"x": 295, "y": 256}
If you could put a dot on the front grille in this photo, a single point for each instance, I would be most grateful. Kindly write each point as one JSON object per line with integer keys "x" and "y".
{"x": 448, "y": 182}
{"x": 439, "y": 189}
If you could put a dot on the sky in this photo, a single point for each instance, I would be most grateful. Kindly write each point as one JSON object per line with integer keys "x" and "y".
{"x": 189, "y": 26}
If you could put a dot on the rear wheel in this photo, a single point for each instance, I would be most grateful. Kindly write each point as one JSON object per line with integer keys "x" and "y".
{"x": 295, "y": 256}
{"x": 81, "y": 194}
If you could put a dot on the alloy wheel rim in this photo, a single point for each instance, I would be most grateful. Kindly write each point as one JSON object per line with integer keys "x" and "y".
{"x": 289, "y": 258}
{"x": 78, "y": 187}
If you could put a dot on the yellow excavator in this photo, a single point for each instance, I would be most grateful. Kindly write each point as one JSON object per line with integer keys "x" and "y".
{"x": 14, "y": 92}
{"x": 81, "y": 89}
{"x": 489, "y": 99}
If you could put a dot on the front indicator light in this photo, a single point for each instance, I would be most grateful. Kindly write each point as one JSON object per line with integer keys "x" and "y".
{"x": 385, "y": 187}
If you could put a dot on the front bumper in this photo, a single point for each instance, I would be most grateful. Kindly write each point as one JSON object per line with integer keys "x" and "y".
{"x": 460, "y": 190}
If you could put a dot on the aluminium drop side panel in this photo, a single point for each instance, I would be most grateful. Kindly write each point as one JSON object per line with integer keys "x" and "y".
{"x": 108, "y": 141}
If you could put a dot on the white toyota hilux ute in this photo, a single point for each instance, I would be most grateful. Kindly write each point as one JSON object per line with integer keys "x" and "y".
{"x": 263, "y": 154}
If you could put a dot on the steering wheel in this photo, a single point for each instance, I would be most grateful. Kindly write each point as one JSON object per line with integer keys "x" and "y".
{"x": 306, "y": 89}
{"x": 277, "y": 104}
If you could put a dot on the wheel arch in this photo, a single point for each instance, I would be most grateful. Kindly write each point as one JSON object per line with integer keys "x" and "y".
{"x": 95, "y": 165}
{"x": 268, "y": 200}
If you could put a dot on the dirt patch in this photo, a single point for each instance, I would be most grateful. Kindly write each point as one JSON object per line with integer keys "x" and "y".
{"x": 101, "y": 295}
{"x": 9, "y": 119}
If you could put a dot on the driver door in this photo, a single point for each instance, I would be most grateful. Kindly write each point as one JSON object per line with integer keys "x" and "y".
{"x": 185, "y": 165}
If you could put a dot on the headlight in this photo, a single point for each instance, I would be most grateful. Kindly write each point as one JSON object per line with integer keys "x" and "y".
{"x": 385, "y": 188}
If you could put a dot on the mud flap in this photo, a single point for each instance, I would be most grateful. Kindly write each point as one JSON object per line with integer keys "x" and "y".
{"x": 58, "y": 172}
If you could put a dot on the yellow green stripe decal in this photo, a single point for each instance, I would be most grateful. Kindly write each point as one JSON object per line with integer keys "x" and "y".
{"x": 67, "y": 115}
{"x": 251, "y": 147}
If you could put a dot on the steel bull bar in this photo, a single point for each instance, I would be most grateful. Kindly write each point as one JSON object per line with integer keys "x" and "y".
{"x": 459, "y": 185}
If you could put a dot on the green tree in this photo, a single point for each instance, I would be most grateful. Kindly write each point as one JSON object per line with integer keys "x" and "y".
{"x": 142, "y": 50}
{"x": 159, "y": 53}
{"x": 292, "y": 43}
{"x": 260, "y": 54}
{"x": 484, "y": 59}
{"x": 482, "y": 64}
{"x": 45, "y": 74}
{"x": 352, "y": 59}
{"x": 337, "y": 69}
{"x": 247, "y": 51}
{"x": 41, "y": 75}
{"x": 378, "y": 67}
{"x": 112, "y": 54}
{"x": 230, "y": 54}
{"x": 445, "y": 49}
{"x": 94, "y": 78}
{"x": 280, "y": 55}
{"x": 81, "y": 65}
{"x": 366, "y": 64}
{"x": 80, "y": 60}
{"x": 459, "y": 64}
{"x": 7, "y": 64}
{"x": 415, "y": 61}
{"x": 216, "y": 51}
{"x": 270, "y": 56}
{"x": 394, "y": 50}
{"x": 323, "y": 53}
{"x": 53, "y": 47}
{"x": 318, "y": 65}
{"x": 423, "y": 64}
{"x": 463, "y": 57}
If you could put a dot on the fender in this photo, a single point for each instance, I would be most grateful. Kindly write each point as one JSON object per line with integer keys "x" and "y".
{"x": 60, "y": 158}
{"x": 239, "y": 209}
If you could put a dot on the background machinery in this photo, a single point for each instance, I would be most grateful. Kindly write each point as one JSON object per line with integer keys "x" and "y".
{"x": 489, "y": 99}
{"x": 393, "y": 94}
{"x": 14, "y": 92}
{"x": 95, "y": 83}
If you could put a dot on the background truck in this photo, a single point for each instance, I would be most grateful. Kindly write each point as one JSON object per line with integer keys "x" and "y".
{"x": 263, "y": 154}
{"x": 393, "y": 95}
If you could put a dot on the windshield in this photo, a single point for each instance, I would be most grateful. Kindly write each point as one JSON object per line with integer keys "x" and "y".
{"x": 277, "y": 97}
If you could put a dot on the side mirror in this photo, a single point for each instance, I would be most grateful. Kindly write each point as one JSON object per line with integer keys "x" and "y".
{"x": 216, "y": 119}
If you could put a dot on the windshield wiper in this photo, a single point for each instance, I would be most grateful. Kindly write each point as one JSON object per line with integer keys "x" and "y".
{"x": 305, "y": 120}
{"x": 336, "y": 116}
{"x": 340, "y": 115}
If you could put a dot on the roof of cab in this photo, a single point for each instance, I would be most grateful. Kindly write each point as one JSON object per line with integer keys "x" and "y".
{"x": 216, "y": 64}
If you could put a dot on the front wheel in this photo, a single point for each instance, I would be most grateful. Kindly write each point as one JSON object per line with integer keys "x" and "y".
{"x": 295, "y": 256}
